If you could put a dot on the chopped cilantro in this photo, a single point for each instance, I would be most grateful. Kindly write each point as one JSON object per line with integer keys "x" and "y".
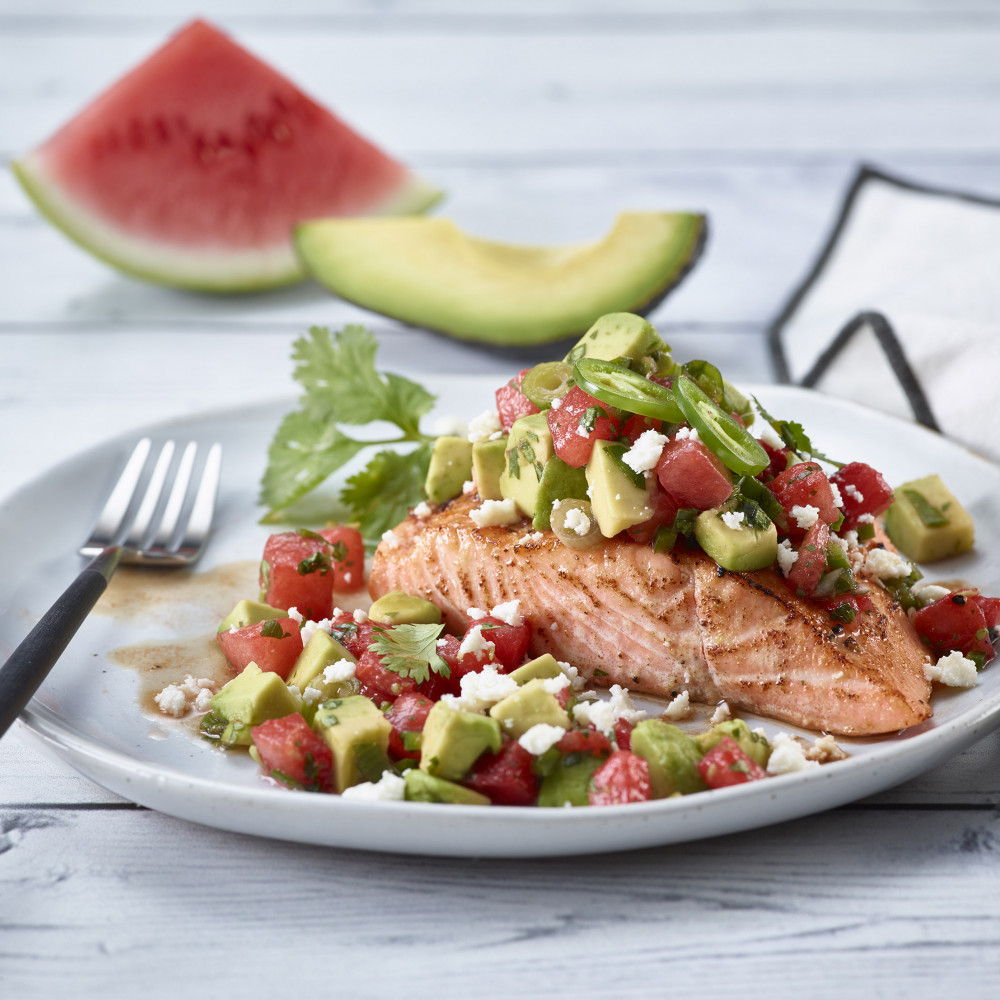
{"x": 794, "y": 436}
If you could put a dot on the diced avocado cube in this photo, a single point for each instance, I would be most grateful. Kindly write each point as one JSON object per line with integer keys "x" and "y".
{"x": 320, "y": 652}
{"x": 926, "y": 522}
{"x": 559, "y": 482}
{"x": 489, "y": 459}
{"x": 249, "y": 699}
{"x": 529, "y": 447}
{"x": 616, "y": 498}
{"x": 617, "y": 335}
{"x": 740, "y": 549}
{"x": 755, "y": 745}
{"x": 347, "y": 724}
{"x": 453, "y": 740}
{"x": 249, "y": 613}
{"x": 672, "y": 757}
{"x": 423, "y": 787}
{"x": 529, "y": 706}
{"x": 450, "y": 466}
{"x": 399, "y": 608}
{"x": 541, "y": 668}
{"x": 568, "y": 783}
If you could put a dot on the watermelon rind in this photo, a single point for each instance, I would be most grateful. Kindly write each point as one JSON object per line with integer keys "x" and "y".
{"x": 221, "y": 269}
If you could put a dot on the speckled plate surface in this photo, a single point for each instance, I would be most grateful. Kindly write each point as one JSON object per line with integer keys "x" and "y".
{"x": 90, "y": 710}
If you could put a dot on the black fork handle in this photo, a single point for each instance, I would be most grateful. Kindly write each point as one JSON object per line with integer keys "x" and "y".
{"x": 31, "y": 662}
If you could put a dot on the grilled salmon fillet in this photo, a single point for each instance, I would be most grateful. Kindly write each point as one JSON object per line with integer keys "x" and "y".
{"x": 662, "y": 623}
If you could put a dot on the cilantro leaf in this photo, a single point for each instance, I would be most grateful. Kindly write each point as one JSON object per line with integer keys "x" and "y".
{"x": 341, "y": 381}
{"x": 794, "y": 436}
{"x": 303, "y": 453}
{"x": 380, "y": 495}
{"x": 410, "y": 650}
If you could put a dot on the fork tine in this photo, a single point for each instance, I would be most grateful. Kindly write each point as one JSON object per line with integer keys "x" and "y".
{"x": 175, "y": 502}
{"x": 151, "y": 498}
{"x": 111, "y": 519}
{"x": 199, "y": 522}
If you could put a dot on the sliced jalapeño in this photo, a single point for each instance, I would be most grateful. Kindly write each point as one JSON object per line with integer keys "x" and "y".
{"x": 731, "y": 442}
{"x": 624, "y": 389}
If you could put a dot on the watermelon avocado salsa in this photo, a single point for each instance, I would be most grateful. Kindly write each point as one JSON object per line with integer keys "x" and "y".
{"x": 617, "y": 437}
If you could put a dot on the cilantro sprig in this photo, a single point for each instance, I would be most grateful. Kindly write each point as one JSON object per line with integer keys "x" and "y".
{"x": 410, "y": 650}
{"x": 342, "y": 387}
{"x": 794, "y": 436}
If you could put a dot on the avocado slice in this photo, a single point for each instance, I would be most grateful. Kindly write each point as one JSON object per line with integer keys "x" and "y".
{"x": 672, "y": 757}
{"x": 249, "y": 699}
{"x": 249, "y": 613}
{"x": 422, "y": 787}
{"x": 400, "y": 608}
{"x": 530, "y": 705}
{"x": 559, "y": 481}
{"x": 755, "y": 745}
{"x": 926, "y": 522}
{"x": 427, "y": 272}
{"x": 616, "y": 498}
{"x": 489, "y": 459}
{"x": 452, "y": 740}
{"x": 617, "y": 335}
{"x": 347, "y": 725}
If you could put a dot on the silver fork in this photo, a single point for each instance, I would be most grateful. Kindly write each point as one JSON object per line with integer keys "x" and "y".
{"x": 156, "y": 516}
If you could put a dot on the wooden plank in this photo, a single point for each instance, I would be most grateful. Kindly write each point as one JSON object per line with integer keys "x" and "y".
{"x": 911, "y": 910}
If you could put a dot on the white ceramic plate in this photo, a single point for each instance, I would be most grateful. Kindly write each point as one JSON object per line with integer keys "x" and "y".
{"x": 87, "y": 712}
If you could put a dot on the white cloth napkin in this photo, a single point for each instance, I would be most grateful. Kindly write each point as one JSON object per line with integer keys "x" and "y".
{"x": 902, "y": 309}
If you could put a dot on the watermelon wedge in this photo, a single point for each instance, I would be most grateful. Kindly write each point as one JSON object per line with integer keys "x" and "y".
{"x": 192, "y": 169}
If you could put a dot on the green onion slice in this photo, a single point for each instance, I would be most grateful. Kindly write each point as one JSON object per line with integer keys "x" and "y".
{"x": 624, "y": 389}
{"x": 732, "y": 443}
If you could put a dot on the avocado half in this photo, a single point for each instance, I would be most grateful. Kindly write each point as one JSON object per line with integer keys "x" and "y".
{"x": 427, "y": 272}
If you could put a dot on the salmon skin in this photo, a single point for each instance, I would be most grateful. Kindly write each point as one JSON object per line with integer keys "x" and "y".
{"x": 662, "y": 623}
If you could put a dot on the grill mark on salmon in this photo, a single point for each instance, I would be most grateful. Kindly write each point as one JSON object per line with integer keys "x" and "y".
{"x": 660, "y": 623}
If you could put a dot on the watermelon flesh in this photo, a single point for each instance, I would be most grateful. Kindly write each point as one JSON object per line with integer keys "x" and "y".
{"x": 192, "y": 169}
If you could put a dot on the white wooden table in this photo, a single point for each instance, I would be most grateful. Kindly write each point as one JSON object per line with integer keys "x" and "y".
{"x": 541, "y": 118}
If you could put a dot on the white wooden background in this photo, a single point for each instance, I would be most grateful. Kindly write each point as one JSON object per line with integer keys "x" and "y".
{"x": 541, "y": 118}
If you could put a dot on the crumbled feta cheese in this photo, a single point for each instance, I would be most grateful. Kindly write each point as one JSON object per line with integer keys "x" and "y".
{"x": 850, "y": 539}
{"x": 541, "y": 737}
{"x": 582, "y": 431}
{"x": 885, "y": 565}
{"x": 509, "y": 613}
{"x": 296, "y": 694}
{"x": 575, "y": 680}
{"x": 203, "y": 700}
{"x": 805, "y": 517}
{"x": 531, "y": 536}
{"x": 553, "y": 685}
{"x": 954, "y": 670}
{"x": 311, "y": 695}
{"x": 769, "y": 435}
{"x": 927, "y": 592}
{"x": 838, "y": 500}
{"x": 556, "y": 403}
{"x": 576, "y": 521}
{"x": 686, "y": 434}
{"x": 422, "y": 510}
{"x": 733, "y": 519}
{"x": 475, "y": 644}
{"x": 476, "y": 613}
{"x": 483, "y": 426}
{"x": 787, "y": 756}
{"x": 495, "y": 512}
{"x": 390, "y": 539}
{"x": 824, "y": 750}
{"x": 721, "y": 714}
{"x": 389, "y": 788}
{"x": 604, "y": 714}
{"x": 233, "y": 629}
{"x": 865, "y": 518}
{"x": 172, "y": 701}
{"x": 450, "y": 427}
{"x": 309, "y": 629}
{"x": 787, "y": 556}
{"x": 483, "y": 689}
{"x": 645, "y": 453}
{"x": 360, "y": 616}
{"x": 342, "y": 670}
{"x": 854, "y": 493}
{"x": 469, "y": 486}
{"x": 679, "y": 707}
{"x": 296, "y": 615}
